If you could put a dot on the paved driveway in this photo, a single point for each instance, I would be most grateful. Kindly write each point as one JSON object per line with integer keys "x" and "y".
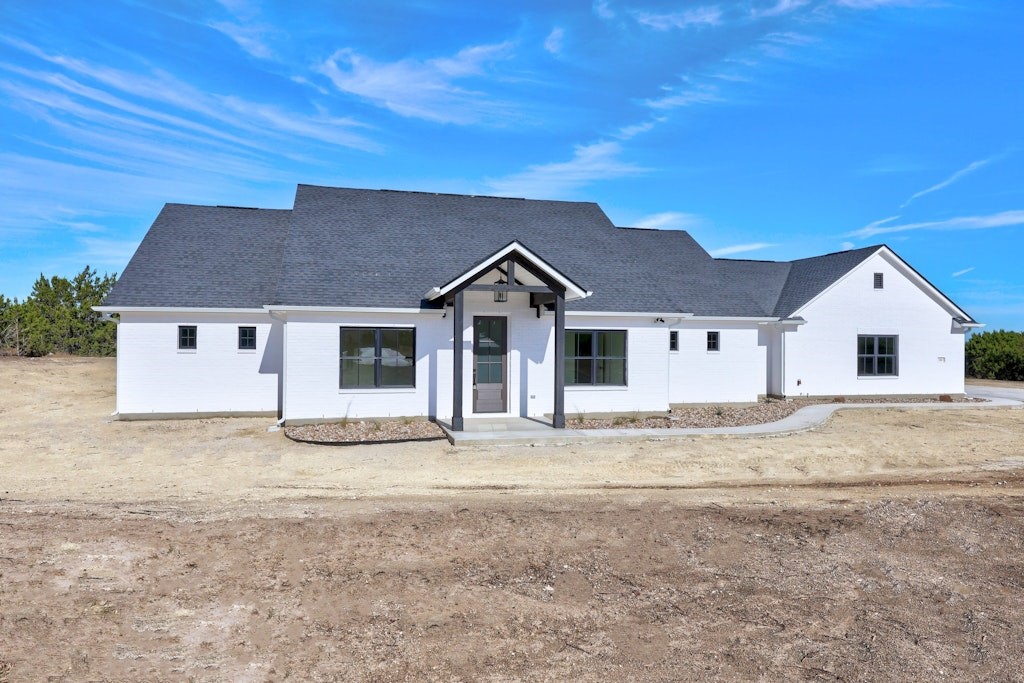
{"x": 995, "y": 392}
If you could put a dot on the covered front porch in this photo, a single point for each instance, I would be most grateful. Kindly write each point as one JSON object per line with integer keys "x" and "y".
{"x": 508, "y": 323}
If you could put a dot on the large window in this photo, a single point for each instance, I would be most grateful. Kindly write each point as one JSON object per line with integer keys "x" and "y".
{"x": 876, "y": 355}
{"x": 595, "y": 357}
{"x": 377, "y": 357}
{"x": 187, "y": 337}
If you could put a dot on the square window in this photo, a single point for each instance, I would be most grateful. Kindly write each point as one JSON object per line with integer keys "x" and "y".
{"x": 713, "y": 341}
{"x": 673, "y": 340}
{"x": 187, "y": 337}
{"x": 246, "y": 338}
{"x": 595, "y": 357}
{"x": 877, "y": 355}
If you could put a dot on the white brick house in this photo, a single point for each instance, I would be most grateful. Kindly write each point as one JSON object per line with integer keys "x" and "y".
{"x": 366, "y": 304}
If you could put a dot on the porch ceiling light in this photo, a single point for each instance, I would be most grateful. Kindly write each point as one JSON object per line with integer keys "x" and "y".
{"x": 500, "y": 295}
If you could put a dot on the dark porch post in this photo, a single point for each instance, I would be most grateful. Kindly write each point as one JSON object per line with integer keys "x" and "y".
{"x": 558, "y": 419}
{"x": 457, "y": 424}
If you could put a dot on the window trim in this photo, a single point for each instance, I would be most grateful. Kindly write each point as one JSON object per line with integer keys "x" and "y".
{"x": 246, "y": 327}
{"x": 673, "y": 341}
{"x": 182, "y": 346}
{"x": 714, "y": 346}
{"x": 593, "y": 383}
{"x": 875, "y": 356}
{"x": 377, "y": 358}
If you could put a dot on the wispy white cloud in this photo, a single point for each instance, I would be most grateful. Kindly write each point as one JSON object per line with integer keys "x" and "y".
{"x": 603, "y": 9}
{"x": 697, "y": 16}
{"x": 424, "y": 89}
{"x": 741, "y": 249}
{"x": 671, "y": 220}
{"x": 249, "y": 38}
{"x": 846, "y": 246}
{"x": 998, "y": 220}
{"x": 192, "y": 105}
{"x": 779, "y": 8}
{"x": 596, "y": 161}
{"x": 245, "y": 28}
{"x": 106, "y": 252}
{"x": 963, "y": 172}
{"x": 631, "y": 131}
{"x": 686, "y": 96}
{"x": 875, "y": 4}
{"x": 553, "y": 43}
{"x": 963, "y": 272}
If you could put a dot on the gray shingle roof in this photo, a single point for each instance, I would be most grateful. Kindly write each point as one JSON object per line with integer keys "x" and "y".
{"x": 383, "y": 248}
{"x": 205, "y": 257}
{"x": 810, "y": 276}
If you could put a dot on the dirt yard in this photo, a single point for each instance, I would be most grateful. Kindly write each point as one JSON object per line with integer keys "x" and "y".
{"x": 885, "y": 545}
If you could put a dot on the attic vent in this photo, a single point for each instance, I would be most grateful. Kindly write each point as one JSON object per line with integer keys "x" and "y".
{"x": 879, "y": 280}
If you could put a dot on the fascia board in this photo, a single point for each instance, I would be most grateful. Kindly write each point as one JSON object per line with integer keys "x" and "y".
{"x": 488, "y": 263}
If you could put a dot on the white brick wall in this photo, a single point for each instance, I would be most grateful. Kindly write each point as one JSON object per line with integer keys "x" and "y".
{"x": 312, "y": 390}
{"x": 736, "y": 373}
{"x": 647, "y": 376}
{"x": 821, "y": 356}
{"x": 155, "y": 377}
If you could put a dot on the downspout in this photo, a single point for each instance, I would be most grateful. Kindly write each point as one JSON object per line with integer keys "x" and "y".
{"x": 782, "y": 360}
{"x": 283, "y": 319}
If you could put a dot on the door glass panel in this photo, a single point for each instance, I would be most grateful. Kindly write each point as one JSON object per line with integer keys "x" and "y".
{"x": 489, "y": 362}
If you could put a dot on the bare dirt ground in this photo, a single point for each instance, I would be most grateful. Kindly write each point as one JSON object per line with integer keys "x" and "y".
{"x": 885, "y": 545}
{"x": 994, "y": 383}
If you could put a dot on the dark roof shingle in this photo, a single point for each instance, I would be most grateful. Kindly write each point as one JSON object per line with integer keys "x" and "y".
{"x": 205, "y": 257}
{"x": 381, "y": 248}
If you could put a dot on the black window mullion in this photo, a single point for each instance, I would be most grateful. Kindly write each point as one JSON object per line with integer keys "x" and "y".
{"x": 377, "y": 372}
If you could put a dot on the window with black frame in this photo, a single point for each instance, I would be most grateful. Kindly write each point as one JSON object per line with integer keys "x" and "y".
{"x": 187, "y": 337}
{"x": 595, "y": 357}
{"x": 377, "y": 357}
{"x": 876, "y": 355}
{"x": 246, "y": 338}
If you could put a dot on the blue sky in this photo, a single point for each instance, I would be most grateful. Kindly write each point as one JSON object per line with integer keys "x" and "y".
{"x": 770, "y": 129}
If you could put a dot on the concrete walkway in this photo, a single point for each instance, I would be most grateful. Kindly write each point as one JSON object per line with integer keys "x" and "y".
{"x": 520, "y": 431}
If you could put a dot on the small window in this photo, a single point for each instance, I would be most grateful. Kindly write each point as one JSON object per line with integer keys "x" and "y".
{"x": 595, "y": 357}
{"x": 876, "y": 356}
{"x": 246, "y": 338}
{"x": 186, "y": 337}
{"x": 673, "y": 340}
{"x": 375, "y": 357}
{"x": 712, "y": 341}
{"x": 879, "y": 280}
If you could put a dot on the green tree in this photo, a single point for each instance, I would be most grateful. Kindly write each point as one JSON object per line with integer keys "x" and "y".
{"x": 57, "y": 317}
{"x": 10, "y": 312}
{"x": 996, "y": 355}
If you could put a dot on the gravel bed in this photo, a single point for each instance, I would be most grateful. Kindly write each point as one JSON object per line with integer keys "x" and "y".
{"x": 766, "y": 410}
{"x": 366, "y": 432}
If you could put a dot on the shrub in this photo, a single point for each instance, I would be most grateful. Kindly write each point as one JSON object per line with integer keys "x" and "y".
{"x": 996, "y": 355}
